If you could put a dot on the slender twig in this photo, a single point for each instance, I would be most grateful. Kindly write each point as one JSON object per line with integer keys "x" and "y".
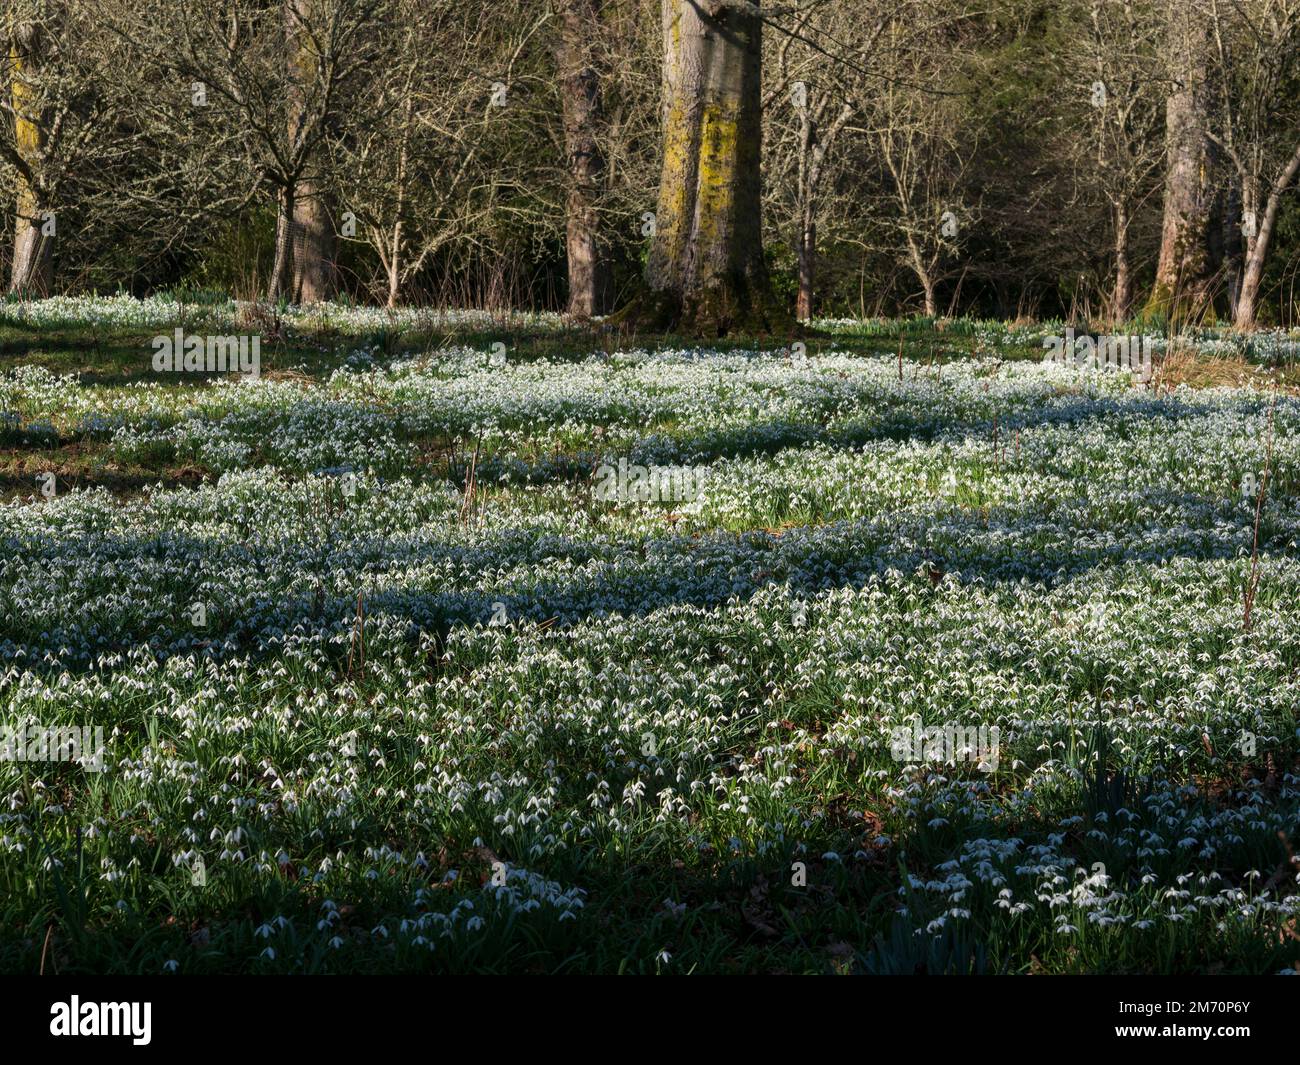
{"x": 48, "y": 932}
{"x": 357, "y": 650}
{"x": 471, "y": 485}
{"x": 1252, "y": 585}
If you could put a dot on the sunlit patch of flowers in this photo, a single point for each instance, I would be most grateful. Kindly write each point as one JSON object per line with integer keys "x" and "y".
{"x": 1270, "y": 347}
{"x": 162, "y": 311}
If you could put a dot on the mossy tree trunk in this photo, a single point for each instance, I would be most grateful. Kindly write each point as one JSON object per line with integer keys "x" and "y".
{"x": 705, "y": 272}
{"x": 32, "y": 270}
{"x": 1185, "y": 272}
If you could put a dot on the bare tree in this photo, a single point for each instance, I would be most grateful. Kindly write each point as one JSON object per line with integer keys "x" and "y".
{"x": 925, "y": 144}
{"x": 812, "y": 97}
{"x": 1256, "y": 45}
{"x": 60, "y": 121}
{"x": 450, "y": 148}
{"x": 285, "y": 78}
{"x": 1122, "y": 125}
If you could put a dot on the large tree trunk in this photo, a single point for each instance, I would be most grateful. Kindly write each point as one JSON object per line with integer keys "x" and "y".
{"x": 706, "y": 272}
{"x": 32, "y": 270}
{"x": 588, "y": 273}
{"x": 1123, "y": 296}
{"x": 1186, "y": 267}
{"x": 314, "y": 245}
{"x": 283, "y": 244}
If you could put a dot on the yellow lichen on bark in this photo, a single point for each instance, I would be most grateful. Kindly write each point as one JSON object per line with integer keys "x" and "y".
{"x": 32, "y": 262}
{"x": 27, "y": 134}
{"x": 675, "y": 198}
{"x": 717, "y": 173}
{"x": 706, "y": 272}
